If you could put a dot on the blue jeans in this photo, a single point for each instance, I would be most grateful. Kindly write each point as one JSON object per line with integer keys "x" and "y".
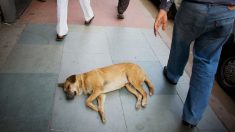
{"x": 209, "y": 25}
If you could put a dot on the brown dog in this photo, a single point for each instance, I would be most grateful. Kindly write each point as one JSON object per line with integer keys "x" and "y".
{"x": 100, "y": 81}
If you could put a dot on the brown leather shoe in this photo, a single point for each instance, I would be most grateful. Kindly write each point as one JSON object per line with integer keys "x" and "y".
{"x": 89, "y": 22}
{"x": 60, "y": 38}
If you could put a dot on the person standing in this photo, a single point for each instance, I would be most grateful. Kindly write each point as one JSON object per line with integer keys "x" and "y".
{"x": 208, "y": 23}
{"x": 62, "y": 13}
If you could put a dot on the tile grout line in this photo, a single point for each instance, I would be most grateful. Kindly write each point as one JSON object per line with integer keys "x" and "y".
{"x": 149, "y": 44}
{"x": 58, "y": 130}
{"x": 118, "y": 91}
{"x": 122, "y": 110}
{"x": 108, "y": 41}
{"x": 53, "y": 103}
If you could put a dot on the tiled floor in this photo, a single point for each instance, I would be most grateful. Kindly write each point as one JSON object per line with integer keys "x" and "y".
{"x": 34, "y": 63}
{"x": 26, "y": 101}
{"x": 31, "y": 101}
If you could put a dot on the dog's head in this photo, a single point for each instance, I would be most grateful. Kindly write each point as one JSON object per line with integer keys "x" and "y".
{"x": 71, "y": 87}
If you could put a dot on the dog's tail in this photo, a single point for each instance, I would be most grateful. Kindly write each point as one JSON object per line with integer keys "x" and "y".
{"x": 150, "y": 86}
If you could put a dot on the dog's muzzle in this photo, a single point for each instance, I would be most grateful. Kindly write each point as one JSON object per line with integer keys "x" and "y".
{"x": 70, "y": 95}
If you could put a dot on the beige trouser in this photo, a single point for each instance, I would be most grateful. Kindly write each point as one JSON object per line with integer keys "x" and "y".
{"x": 62, "y": 13}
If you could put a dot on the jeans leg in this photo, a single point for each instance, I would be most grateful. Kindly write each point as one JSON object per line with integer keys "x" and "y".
{"x": 207, "y": 49}
{"x": 122, "y": 6}
{"x": 186, "y": 29}
{"x": 62, "y": 13}
{"x": 179, "y": 54}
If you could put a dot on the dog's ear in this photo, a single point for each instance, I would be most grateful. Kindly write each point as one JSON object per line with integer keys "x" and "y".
{"x": 61, "y": 85}
{"x": 72, "y": 78}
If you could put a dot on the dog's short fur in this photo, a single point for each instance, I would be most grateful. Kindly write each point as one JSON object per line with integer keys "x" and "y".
{"x": 100, "y": 81}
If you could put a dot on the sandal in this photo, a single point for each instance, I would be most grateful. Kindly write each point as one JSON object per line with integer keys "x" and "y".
{"x": 60, "y": 38}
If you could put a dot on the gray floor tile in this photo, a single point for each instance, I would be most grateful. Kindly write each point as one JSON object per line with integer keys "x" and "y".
{"x": 53, "y": 130}
{"x": 158, "y": 46}
{"x": 213, "y": 130}
{"x": 83, "y": 41}
{"x": 75, "y": 63}
{"x": 76, "y": 117}
{"x": 26, "y": 101}
{"x": 163, "y": 114}
{"x": 210, "y": 122}
{"x": 128, "y": 44}
{"x": 183, "y": 86}
{"x": 163, "y": 60}
{"x": 39, "y": 34}
{"x": 154, "y": 71}
{"x": 9, "y": 36}
{"x": 184, "y": 78}
{"x": 83, "y": 28}
{"x": 182, "y": 89}
{"x": 33, "y": 59}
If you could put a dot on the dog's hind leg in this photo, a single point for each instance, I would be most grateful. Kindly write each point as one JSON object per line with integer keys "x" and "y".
{"x": 141, "y": 90}
{"x": 150, "y": 85}
{"x": 89, "y": 100}
{"x": 101, "y": 100}
{"x": 138, "y": 95}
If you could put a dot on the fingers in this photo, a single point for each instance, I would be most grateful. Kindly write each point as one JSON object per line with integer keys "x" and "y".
{"x": 160, "y": 20}
{"x": 156, "y": 26}
{"x": 154, "y": 29}
{"x": 231, "y": 7}
{"x": 156, "y": 33}
{"x": 164, "y": 26}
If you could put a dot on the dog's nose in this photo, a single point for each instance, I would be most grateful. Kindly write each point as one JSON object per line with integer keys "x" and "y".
{"x": 69, "y": 96}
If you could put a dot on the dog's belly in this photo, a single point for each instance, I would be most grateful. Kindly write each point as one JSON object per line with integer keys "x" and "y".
{"x": 115, "y": 84}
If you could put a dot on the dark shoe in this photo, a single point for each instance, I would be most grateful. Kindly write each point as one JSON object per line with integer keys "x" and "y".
{"x": 188, "y": 124}
{"x": 60, "y": 38}
{"x": 89, "y": 22}
{"x": 165, "y": 75}
{"x": 42, "y": 0}
{"x": 120, "y": 16}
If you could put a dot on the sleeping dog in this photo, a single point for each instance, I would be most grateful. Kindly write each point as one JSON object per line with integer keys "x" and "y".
{"x": 100, "y": 81}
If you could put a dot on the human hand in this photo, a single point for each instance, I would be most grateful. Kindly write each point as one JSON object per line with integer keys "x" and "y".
{"x": 160, "y": 20}
{"x": 232, "y": 7}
